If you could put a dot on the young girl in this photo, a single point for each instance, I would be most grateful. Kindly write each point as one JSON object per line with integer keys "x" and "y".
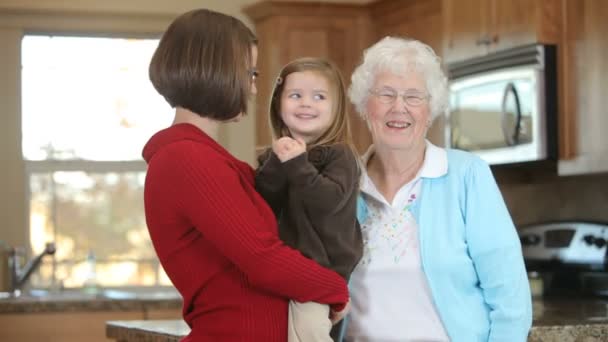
{"x": 310, "y": 179}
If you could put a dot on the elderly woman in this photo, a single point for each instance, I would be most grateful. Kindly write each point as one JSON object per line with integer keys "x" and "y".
{"x": 442, "y": 259}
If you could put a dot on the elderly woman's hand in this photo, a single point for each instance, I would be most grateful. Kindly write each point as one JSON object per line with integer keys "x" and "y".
{"x": 287, "y": 148}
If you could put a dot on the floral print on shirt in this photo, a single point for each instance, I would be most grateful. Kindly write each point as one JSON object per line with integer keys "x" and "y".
{"x": 389, "y": 233}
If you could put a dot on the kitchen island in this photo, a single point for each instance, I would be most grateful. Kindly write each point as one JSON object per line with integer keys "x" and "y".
{"x": 555, "y": 320}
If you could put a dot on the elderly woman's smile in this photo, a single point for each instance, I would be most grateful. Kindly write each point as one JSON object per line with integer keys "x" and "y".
{"x": 398, "y": 126}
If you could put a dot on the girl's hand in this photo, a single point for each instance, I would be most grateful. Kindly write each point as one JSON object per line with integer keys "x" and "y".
{"x": 287, "y": 148}
{"x": 336, "y": 317}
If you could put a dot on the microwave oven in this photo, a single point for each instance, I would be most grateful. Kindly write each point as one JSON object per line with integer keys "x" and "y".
{"x": 503, "y": 106}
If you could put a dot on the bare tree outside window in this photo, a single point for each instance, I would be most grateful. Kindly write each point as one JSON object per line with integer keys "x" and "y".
{"x": 88, "y": 109}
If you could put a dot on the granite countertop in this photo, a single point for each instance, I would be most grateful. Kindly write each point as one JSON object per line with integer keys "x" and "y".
{"x": 569, "y": 320}
{"x": 101, "y": 300}
{"x": 555, "y": 319}
{"x": 147, "y": 331}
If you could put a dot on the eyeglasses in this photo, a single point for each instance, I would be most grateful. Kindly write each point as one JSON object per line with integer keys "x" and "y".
{"x": 389, "y": 95}
{"x": 254, "y": 73}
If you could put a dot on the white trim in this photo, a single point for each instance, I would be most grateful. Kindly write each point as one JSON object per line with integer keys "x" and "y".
{"x": 435, "y": 162}
{"x": 584, "y": 164}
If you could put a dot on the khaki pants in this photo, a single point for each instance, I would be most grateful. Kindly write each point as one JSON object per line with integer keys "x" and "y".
{"x": 308, "y": 322}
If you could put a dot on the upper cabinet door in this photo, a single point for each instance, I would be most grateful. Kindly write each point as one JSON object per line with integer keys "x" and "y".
{"x": 521, "y": 22}
{"x": 583, "y": 80}
{"x": 476, "y": 27}
{"x": 421, "y": 20}
{"x": 465, "y": 24}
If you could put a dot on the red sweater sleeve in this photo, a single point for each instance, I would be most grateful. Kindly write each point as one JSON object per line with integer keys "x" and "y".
{"x": 215, "y": 199}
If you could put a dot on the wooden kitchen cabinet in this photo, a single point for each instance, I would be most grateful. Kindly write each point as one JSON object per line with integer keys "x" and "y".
{"x": 473, "y": 28}
{"x": 60, "y": 326}
{"x": 289, "y": 30}
{"x": 464, "y": 25}
{"x": 583, "y": 81}
{"x": 418, "y": 19}
{"x": 60, "y": 322}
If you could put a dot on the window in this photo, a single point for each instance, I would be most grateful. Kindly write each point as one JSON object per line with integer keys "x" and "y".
{"x": 88, "y": 108}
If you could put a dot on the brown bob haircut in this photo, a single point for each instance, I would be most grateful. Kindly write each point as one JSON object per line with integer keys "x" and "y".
{"x": 203, "y": 64}
{"x": 339, "y": 129}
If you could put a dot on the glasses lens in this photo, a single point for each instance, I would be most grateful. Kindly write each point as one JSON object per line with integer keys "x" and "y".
{"x": 387, "y": 95}
{"x": 414, "y": 100}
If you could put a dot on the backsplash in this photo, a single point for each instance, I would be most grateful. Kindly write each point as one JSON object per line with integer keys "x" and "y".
{"x": 539, "y": 198}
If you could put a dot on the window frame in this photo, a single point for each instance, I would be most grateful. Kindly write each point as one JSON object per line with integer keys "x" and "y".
{"x": 16, "y": 24}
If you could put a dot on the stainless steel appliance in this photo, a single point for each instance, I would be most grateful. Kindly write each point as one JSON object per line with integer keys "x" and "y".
{"x": 570, "y": 256}
{"x": 503, "y": 106}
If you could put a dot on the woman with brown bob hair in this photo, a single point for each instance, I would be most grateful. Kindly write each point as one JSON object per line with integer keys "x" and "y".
{"x": 215, "y": 236}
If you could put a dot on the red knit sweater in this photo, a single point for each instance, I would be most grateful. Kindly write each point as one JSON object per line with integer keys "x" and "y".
{"x": 217, "y": 240}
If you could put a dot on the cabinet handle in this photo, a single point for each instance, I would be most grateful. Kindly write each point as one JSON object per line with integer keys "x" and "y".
{"x": 483, "y": 41}
{"x": 487, "y": 40}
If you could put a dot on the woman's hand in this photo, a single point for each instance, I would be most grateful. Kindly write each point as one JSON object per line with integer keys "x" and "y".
{"x": 287, "y": 148}
{"x": 336, "y": 317}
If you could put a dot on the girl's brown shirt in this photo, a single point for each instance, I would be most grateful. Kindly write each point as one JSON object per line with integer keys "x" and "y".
{"x": 314, "y": 197}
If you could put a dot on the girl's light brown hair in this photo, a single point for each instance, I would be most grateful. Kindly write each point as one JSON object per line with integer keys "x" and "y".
{"x": 203, "y": 64}
{"x": 339, "y": 129}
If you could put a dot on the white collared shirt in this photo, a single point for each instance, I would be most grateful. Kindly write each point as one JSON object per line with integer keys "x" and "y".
{"x": 391, "y": 299}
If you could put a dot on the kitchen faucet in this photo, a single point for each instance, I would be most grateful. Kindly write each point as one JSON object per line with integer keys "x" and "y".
{"x": 20, "y": 275}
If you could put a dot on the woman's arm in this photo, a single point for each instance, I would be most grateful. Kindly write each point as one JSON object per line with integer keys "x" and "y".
{"x": 496, "y": 252}
{"x": 271, "y": 181}
{"x": 220, "y": 207}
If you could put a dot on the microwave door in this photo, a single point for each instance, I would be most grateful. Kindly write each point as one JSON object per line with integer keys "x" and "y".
{"x": 476, "y": 117}
{"x": 495, "y": 115}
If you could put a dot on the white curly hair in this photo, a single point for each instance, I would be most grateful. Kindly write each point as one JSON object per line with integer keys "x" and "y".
{"x": 399, "y": 56}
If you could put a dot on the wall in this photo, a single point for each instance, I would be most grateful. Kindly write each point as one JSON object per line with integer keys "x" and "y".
{"x": 12, "y": 177}
{"x": 534, "y": 197}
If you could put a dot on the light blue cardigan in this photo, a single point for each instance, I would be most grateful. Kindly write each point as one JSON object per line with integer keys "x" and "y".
{"x": 471, "y": 254}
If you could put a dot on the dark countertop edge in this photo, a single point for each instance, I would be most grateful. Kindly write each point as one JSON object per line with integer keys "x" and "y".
{"x": 128, "y": 330}
{"x": 569, "y": 325}
{"x": 87, "y": 305}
